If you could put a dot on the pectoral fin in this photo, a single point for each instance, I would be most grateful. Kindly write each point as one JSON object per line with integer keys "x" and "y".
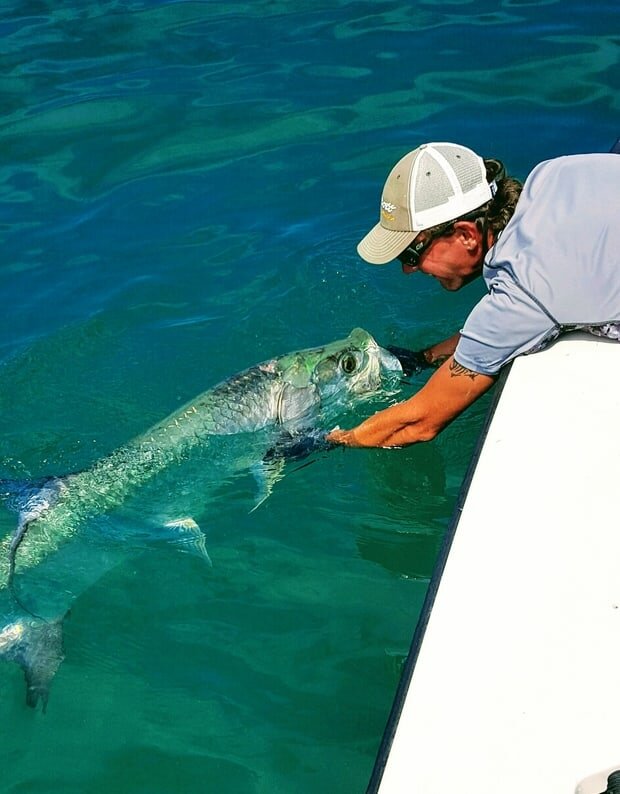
{"x": 189, "y": 537}
{"x": 267, "y": 473}
{"x": 291, "y": 446}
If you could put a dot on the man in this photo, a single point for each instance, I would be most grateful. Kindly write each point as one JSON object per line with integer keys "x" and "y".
{"x": 549, "y": 254}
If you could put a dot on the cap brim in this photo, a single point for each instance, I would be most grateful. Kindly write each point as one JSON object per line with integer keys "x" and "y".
{"x": 381, "y": 246}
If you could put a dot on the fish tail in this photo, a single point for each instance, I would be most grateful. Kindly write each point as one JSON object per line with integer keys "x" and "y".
{"x": 36, "y": 646}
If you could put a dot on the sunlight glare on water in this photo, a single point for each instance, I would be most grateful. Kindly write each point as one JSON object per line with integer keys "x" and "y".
{"x": 182, "y": 188}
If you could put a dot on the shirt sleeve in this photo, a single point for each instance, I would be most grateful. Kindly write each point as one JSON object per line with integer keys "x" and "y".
{"x": 504, "y": 324}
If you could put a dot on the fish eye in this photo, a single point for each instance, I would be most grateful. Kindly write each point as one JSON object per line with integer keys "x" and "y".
{"x": 348, "y": 363}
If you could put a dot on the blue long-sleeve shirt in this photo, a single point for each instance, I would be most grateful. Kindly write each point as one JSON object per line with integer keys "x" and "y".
{"x": 555, "y": 266}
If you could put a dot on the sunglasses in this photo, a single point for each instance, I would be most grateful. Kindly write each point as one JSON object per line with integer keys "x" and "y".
{"x": 412, "y": 254}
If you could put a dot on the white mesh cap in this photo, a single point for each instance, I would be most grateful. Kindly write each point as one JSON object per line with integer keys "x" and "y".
{"x": 433, "y": 184}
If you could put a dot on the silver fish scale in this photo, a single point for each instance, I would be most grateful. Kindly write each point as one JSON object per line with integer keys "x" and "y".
{"x": 289, "y": 390}
{"x": 244, "y": 403}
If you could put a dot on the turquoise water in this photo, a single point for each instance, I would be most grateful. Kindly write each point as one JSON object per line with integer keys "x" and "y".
{"x": 182, "y": 188}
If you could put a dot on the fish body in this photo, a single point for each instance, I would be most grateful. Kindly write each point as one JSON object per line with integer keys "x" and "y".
{"x": 287, "y": 397}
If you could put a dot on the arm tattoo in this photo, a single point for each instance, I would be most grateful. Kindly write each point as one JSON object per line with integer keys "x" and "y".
{"x": 457, "y": 369}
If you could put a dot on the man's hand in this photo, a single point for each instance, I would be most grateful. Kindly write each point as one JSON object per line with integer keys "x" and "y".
{"x": 344, "y": 437}
{"x": 412, "y": 361}
{"x": 297, "y": 446}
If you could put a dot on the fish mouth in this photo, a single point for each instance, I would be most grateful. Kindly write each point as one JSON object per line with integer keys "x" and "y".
{"x": 391, "y": 363}
{"x": 409, "y": 361}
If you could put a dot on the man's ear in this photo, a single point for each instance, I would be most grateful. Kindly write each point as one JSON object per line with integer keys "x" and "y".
{"x": 469, "y": 234}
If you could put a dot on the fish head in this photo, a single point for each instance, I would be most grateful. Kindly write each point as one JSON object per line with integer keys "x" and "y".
{"x": 342, "y": 373}
{"x": 355, "y": 368}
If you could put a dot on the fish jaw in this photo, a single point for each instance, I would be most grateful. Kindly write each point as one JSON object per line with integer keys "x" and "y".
{"x": 391, "y": 367}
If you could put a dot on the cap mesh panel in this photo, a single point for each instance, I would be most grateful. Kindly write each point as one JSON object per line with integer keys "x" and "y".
{"x": 433, "y": 186}
{"x": 465, "y": 164}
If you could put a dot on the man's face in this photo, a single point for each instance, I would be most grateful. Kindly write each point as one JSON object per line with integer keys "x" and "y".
{"x": 454, "y": 259}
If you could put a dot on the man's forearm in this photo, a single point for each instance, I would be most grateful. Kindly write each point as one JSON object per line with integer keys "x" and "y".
{"x": 414, "y": 361}
{"x": 440, "y": 352}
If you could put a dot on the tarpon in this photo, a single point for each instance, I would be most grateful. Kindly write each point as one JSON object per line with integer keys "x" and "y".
{"x": 289, "y": 401}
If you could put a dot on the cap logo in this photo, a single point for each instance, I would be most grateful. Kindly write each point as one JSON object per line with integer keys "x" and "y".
{"x": 387, "y": 209}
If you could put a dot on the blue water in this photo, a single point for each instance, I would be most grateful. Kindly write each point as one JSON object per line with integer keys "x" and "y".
{"x": 182, "y": 186}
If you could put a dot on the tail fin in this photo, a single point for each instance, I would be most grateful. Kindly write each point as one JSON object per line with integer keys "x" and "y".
{"x": 36, "y": 646}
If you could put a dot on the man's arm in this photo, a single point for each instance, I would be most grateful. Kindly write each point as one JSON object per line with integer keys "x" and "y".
{"x": 437, "y": 354}
{"x": 447, "y": 394}
{"x": 414, "y": 361}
